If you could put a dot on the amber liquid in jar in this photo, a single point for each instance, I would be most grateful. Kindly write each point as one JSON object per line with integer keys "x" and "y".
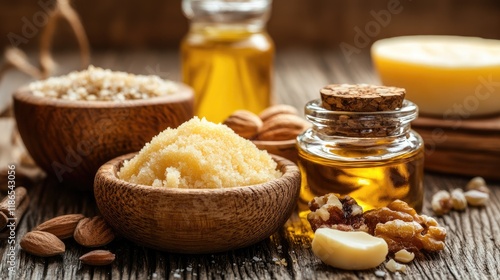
{"x": 373, "y": 185}
{"x": 229, "y": 69}
{"x": 374, "y": 170}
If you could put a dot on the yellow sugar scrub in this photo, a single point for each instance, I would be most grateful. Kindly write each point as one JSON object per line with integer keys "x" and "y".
{"x": 201, "y": 155}
{"x": 446, "y": 76}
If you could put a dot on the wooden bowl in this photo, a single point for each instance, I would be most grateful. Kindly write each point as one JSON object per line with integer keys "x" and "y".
{"x": 196, "y": 220}
{"x": 284, "y": 148}
{"x": 72, "y": 139}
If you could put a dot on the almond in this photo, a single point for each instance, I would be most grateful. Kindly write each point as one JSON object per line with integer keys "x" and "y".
{"x": 42, "y": 244}
{"x": 281, "y": 109}
{"x": 62, "y": 226}
{"x": 244, "y": 123}
{"x": 282, "y": 127}
{"x": 98, "y": 257}
{"x": 93, "y": 232}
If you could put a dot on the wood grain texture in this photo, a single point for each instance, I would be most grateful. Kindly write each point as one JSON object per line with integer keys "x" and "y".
{"x": 464, "y": 162}
{"x": 196, "y": 220}
{"x": 71, "y": 140}
{"x": 479, "y": 124}
{"x": 472, "y": 245}
{"x": 462, "y": 146}
{"x": 472, "y": 248}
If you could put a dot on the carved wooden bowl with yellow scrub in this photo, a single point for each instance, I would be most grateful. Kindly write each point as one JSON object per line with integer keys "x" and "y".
{"x": 187, "y": 220}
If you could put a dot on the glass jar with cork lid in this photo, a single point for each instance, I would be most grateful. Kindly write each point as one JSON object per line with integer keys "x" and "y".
{"x": 361, "y": 144}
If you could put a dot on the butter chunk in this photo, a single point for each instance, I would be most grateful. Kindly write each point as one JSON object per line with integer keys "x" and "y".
{"x": 352, "y": 250}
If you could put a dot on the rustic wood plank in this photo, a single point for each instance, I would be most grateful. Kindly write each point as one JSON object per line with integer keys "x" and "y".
{"x": 472, "y": 246}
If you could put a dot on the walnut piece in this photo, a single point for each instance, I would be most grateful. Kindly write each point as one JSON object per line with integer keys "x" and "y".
{"x": 458, "y": 200}
{"x": 478, "y": 184}
{"x": 401, "y": 232}
{"x": 404, "y": 256}
{"x": 398, "y": 224}
{"x": 441, "y": 202}
{"x": 476, "y": 198}
{"x": 334, "y": 212}
{"x": 393, "y": 266}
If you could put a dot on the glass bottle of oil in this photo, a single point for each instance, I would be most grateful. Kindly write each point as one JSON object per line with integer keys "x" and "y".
{"x": 227, "y": 56}
{"x": 374, "y": 170}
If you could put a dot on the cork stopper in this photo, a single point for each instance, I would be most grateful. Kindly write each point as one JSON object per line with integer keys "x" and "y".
{"x": 361, "y": 98}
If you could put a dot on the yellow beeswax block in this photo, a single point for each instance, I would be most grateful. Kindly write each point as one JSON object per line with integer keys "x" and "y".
{"x": 446, "y": 76}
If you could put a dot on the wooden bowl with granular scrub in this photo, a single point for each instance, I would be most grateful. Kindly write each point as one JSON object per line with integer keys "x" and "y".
{"x": 196, "y": 221}
{"x": 70, "y": 132}
{"x": 199, "y": 188}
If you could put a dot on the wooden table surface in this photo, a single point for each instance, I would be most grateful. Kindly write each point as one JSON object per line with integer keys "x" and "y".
{"x": 472, "y": 245}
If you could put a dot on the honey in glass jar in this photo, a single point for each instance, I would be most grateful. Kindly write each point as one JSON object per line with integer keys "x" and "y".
{"x": 227, "y": 56}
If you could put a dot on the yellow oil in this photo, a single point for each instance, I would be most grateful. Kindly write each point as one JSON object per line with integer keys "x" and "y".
{"x": 229, "y": 69}
{"x": 371, "y": 184}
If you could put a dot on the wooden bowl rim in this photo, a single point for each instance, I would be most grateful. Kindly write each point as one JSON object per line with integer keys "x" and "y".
{"x": 108, "y": 172}
{"x": 275, "y": 143}
{"x": 183, "y": 93}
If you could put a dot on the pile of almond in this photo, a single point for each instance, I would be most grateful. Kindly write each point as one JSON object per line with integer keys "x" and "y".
{"x": 45, "y": 240}
{"x": 276, "y": 123}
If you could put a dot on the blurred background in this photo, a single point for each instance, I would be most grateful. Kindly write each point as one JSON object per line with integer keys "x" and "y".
{"x": 317, "y": 41}
{"x": 143, "y": 37}
{"x": 160, "y": 24}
